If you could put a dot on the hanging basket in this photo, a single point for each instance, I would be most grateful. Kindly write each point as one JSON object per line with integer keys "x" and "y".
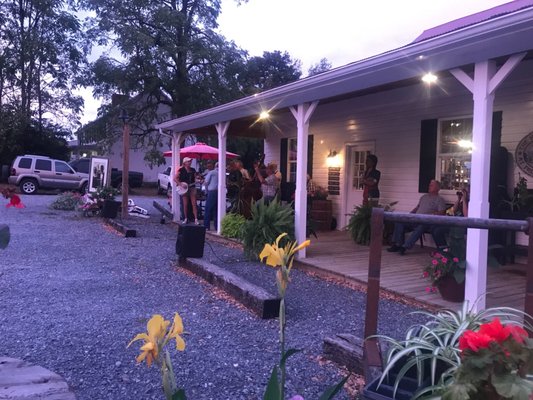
{"x": 451, "y": 290}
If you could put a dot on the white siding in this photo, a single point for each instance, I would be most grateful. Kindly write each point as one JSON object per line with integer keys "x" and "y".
{"x": 392, "y": 120}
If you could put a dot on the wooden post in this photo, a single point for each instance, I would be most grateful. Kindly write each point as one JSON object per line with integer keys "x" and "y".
{"x": 125, "y": 169}
{"x": 371, "y": 349}
{"x": 528, "y": 304}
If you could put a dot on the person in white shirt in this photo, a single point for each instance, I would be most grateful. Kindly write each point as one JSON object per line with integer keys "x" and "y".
{"x": 211, "y": 187}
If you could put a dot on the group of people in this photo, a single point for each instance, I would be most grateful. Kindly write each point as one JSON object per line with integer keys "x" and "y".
{"x": 433, "y": 204}
{"x": 186, "y": 178}
{"x": 241, "y": 187}
{"x": 430, "y": 203}
{"x": 265, "y": 183}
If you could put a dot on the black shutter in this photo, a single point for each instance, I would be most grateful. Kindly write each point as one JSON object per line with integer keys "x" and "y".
{"x": 310, "y": 155}
{"x": 498, "y": 166}
{"x": 428, "y": 153}
{"x": 284, "y": 147}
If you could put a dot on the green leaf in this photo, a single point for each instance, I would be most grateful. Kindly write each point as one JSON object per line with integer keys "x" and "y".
{"x": 273, "y": 390}
{"x": 179, "y": 395}
{"x": 512, "y": 386}
{"x": 287, "y": 354}
{"x": 4, "y": 236}
{"x": 331, "y": 391}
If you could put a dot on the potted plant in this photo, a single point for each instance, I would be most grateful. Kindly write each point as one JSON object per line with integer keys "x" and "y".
{"x": 359, "y": 223}
{"x": 106, "y": 199}
{"x": 427, "y": 361}
{"x": 520, "y": 206}
{"x": 446, "y": 273}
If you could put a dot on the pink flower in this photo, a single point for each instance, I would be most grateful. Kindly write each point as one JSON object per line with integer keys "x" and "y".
{"x": 444, "y": 260}
{"x": 438, "y": 255}
{"x": 425, "y": 274}
{"x": 434, "y": 262}
{"x": 428, "y": 289}
{"x": 455, "y": 259}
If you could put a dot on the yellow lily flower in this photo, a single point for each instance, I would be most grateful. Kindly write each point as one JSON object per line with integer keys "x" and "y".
{"x": 156, "y": 327}
{"x": 276, "y": 256}
{"x": 175, "y": 331}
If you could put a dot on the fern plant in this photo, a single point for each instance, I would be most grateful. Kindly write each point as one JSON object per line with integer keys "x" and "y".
{"x": 267, "y": 223}
{"x": 359, "y": 224}
{"x": 232, "y": 225}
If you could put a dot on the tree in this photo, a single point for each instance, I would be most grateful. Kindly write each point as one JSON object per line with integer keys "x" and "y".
{"x": 322, "y": 66}
{"x": 170, "y": 52}
{"x": 271, "y": 70}
{"x": 42, "y": 54}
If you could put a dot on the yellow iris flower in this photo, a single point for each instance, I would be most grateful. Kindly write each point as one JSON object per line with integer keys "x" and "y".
{"x": 157, "y": 337}
{"x": 277, "y": 256}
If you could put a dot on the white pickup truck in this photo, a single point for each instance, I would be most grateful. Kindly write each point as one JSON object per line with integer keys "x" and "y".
{"x": 164, "y": 181}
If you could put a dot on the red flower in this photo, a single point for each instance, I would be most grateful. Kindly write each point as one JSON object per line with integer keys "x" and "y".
{"x": 474, "y": 341}
{"x": 517, "y": 332}
{"x": 495, "y": 330}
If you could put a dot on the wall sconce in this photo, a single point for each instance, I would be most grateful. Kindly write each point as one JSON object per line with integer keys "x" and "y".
{"x": 333, "y": 159}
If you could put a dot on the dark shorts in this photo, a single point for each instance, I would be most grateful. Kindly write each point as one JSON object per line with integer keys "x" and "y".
{"x": 192, "y": 190}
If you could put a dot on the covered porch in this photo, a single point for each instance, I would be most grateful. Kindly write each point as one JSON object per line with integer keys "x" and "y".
{"x": 335, "y": 253}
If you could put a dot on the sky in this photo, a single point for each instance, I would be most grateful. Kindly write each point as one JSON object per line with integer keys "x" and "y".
{"x": 342, "y": 31}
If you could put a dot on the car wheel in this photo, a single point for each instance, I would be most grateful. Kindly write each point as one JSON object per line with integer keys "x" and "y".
{"x": 159, "y": 190}
{"x": 83, "y": 189}
{"x": 29, "y": 186}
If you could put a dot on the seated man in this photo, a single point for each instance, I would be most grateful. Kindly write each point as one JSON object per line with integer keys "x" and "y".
{"x": 430, "y": 203}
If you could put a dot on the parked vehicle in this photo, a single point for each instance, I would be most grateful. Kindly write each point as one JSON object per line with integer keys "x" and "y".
{"x": 135, "y": 178}
{"x": 164, "y": 181}
{"x": 31, "y": 172}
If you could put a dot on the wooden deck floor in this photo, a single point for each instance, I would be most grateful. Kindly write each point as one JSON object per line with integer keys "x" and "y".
{"x": 336, "y": 253}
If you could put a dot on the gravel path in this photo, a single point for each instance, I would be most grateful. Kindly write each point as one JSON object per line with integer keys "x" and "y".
{"x": 73, "y": 293}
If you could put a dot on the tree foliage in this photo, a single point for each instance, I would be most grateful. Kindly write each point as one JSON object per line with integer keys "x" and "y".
{"x": 271, "y": 70}
{"x": 42, "y": 55}
{"x": 322, "y": 66}
{"x": 170, "y": 52}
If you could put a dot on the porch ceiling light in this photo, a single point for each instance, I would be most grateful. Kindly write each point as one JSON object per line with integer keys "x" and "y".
{"x": 264, "y": 115}
{"x": 429, "y": 78}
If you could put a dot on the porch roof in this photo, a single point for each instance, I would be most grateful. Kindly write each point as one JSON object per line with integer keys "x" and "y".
{"x": 488, "y": 39}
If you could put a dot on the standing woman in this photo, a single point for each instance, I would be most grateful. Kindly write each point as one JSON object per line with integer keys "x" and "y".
{"x": 371, "y": 180}
{"x": 186, "y": 176}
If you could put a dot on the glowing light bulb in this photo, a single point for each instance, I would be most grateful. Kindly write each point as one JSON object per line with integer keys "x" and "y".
{"x": 429, "y": 78}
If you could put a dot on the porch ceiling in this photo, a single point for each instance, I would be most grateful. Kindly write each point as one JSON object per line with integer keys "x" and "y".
{"x": 492, "y": 39}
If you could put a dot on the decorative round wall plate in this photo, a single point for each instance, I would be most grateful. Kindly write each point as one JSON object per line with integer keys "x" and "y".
{"x": 524, "y": 154}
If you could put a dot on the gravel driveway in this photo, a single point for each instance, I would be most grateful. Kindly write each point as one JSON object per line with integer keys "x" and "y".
{"x": 73, "y": 293}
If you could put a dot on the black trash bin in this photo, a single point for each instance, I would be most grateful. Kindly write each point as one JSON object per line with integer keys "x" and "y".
{"x": 110, "y": 208}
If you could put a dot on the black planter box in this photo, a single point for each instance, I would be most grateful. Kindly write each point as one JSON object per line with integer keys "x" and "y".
{"x": 110, "y": 208}
{"x": 406, "y": 389}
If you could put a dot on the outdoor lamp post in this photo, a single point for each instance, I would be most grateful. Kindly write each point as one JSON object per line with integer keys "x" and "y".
{"x": 126, "y": 161}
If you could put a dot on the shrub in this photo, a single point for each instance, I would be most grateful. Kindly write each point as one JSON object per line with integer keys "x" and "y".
{"x": 67, "y": 201}
{"x": 359, "y": 224}
{"x": 232, "y": 225}
{"x": 267, "y": 223}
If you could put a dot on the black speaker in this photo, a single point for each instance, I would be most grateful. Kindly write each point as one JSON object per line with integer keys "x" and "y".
{"x": 190, "y": 241}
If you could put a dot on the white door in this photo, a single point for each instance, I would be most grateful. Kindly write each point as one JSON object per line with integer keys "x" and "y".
{"x": 355, "y": 169}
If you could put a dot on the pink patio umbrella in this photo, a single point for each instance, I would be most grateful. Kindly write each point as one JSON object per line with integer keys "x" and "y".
{"x": 201, "y": 151}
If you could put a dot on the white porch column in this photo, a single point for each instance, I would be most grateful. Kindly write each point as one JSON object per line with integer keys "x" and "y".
{"x": 483, "y": 86}
{"x": 176, "y": 162}
{"x": 302, "y": 113}
{"x": 222, "y": 129}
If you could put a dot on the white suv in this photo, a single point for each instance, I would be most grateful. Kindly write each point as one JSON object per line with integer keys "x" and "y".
{"x": 31, "y": 172}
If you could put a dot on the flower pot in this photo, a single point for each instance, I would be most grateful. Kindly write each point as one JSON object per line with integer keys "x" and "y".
{"x": 451, "y": 290}
{"x": 110, "y": 208}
